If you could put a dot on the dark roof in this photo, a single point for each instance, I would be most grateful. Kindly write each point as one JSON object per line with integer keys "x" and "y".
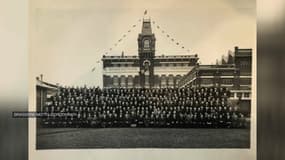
{"x": 46, "y": 85}
{"x": 156, "y": 57}
{"x": 217, "y": 67}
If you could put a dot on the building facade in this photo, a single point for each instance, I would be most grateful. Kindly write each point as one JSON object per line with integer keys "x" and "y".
{"x": 146, "y": 69}
{"x": 234, "y": 73}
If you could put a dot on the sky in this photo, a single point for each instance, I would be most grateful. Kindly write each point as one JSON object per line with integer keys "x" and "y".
{"x": 67, "y": 38}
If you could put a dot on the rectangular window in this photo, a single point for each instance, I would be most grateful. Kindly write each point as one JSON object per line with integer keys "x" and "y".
{"x": 207, "y": 81}
{"x": 208, "y": 73}
{"x": 227, "y": 73}
{"x": 246, "y": 95}
{"x": 245, "y": 81}
{"x": 227, "y": 81}
{"x": 239, "y": 95}
{"x": 116, "y": 81}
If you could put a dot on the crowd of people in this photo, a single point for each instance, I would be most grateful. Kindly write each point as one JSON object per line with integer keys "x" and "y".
{"x": 142, "y": 107}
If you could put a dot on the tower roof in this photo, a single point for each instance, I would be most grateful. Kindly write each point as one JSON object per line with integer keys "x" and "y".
{"x": 146, "y": 27}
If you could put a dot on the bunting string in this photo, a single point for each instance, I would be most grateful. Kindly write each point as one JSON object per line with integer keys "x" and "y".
{"x": 172, "y": 39}
{"x": 132, "y": 27}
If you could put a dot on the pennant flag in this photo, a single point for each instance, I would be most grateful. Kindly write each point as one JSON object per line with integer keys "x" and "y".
{"x": 168, "y": 35}
{"x": 93, "y": 69}
{"x": 145, "y": 12}
{"x": 177, "y": 43}
{"x": 120, "y": 40}
{"x": 182, "y": 47}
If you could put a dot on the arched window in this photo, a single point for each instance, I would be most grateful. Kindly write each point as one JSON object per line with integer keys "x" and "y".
{"x": 115, "y": 81}
{"x": 146, "y": 43}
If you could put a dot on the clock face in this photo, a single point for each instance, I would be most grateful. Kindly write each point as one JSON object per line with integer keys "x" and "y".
{"x": 146, "y": 43}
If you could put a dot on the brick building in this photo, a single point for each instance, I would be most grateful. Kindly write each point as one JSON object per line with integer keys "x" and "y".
{"x": 233, "y": 72}
{"x": 146, "y": 69}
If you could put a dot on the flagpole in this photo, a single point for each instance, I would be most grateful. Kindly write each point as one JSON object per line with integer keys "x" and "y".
{"x": 145, "y": 13}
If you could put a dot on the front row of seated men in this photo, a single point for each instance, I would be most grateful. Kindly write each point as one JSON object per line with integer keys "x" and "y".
{"x": 234, "y": 120}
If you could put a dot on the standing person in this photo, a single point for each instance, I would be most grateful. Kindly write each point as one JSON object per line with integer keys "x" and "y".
{"x": 181, "y": 120}
{"x": 241, "y": 120}
{"x": 188, "y": 120}
{"x": 228, "y": 120}
{"x": 168, "y": 120}
{"x": 221, "y": 121}
{"x": 234, "y": 120}
{"x": 195, "y": 121}
{"x": 202, "y": 120}
{"x": 146, "y": 120}
{"x": 94, "y": 121}
{"x": 215, "y": 121}
{"x": 162, "y": 120}
{"x": 121, "y": 120}
{"x": 152, "y": 120}
{"x": 140, "y": 120}
{"x": 209, "y": 120}
{"x": 127, "y": 120}
{"x": 109, "y": 120}
{"x": 175, "y": 119}
{"x": 103, "y": 120}
{"x": 115, "y": 119}
{"x": 78, "y": 119}
{"x": 156, "y": 120}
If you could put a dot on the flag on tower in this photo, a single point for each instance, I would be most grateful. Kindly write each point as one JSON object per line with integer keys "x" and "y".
{"x": 93, "y": 69}
{"x": 145, "y": 12}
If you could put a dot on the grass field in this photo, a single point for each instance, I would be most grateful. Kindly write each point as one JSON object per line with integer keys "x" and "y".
{"x": 75, "y": 138}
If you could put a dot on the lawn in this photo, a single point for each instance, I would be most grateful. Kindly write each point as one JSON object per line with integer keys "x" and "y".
{"x": 75, "y": 138}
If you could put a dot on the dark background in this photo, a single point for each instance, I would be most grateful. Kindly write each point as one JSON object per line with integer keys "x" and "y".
{"x": 270, "y": 84}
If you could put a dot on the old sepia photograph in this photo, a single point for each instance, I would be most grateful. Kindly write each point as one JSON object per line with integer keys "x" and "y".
{"x": 123, "y": 74}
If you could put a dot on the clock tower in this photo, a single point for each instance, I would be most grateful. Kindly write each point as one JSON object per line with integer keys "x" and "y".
{"x": 146, "y": 50}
